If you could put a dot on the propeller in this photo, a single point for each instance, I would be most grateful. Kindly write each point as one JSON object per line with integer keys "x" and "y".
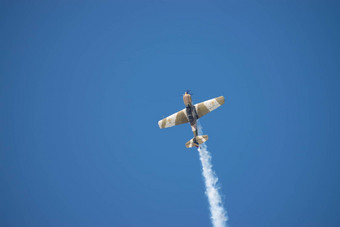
{"x": 188, "y": 91}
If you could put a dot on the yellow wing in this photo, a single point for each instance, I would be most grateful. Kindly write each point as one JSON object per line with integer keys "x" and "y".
{"x": 175, "y": 119}
{"x": 207, "y": 106}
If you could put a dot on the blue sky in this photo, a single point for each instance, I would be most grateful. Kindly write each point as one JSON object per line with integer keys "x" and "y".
{"x": 84, "y": 83}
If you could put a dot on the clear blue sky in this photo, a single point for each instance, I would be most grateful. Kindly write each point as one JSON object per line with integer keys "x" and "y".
{"x": 83, "y": 85}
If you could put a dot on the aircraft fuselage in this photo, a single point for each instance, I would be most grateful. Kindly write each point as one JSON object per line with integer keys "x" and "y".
{"x": 191, "y": 113}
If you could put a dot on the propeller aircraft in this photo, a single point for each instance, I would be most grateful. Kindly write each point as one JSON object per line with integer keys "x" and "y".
{"x": 191, "y": 114}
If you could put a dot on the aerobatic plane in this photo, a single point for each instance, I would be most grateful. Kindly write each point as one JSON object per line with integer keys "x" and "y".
{"x": 191, "y": 114}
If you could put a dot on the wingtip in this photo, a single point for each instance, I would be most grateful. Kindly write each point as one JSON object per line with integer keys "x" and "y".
{"x": 160, "y": 124}
{"x": 220, "y": 100}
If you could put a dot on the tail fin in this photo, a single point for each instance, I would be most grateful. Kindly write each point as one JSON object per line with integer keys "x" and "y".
{"x": 196, "y": 141}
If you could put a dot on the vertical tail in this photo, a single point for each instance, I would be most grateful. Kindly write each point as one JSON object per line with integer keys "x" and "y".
{"x": 196, "y": 141}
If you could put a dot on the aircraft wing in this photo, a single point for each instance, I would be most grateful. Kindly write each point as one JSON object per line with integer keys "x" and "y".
{"x": 175, "y": 119}
{"x": 207, "y": 106}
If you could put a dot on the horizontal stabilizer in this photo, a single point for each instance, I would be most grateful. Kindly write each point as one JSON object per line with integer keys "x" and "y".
{"x": 196, "y": 141}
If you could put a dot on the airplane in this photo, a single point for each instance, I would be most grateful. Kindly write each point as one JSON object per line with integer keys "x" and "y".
{"x": 191, "y": 114}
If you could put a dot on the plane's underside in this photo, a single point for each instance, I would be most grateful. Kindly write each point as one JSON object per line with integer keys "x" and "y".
{"x": 191, "y": 114}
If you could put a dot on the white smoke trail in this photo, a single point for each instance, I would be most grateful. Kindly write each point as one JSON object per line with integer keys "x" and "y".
{"x": 218, "y": 214}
